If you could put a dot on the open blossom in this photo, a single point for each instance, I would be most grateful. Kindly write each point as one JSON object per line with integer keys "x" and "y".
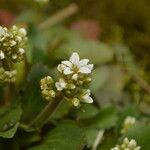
{"x": 72, "y": 83}
{"x": 75, "y": 66}
{"x": 61, "y": 84}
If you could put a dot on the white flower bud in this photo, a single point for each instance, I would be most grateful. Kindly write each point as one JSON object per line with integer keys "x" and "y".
{"x": 23, "y": 31}
{"x": 75, "y": 76}
{"x": 21, "y": 51}
{"x": 14, "y": 56}
{"x": 18, "y": 38}
{"x": 52, "y": 93}
{"x": 75, "y": 102}
{"x": 2, "y": 55}
{"x": 61, "y": 84}
{"x": 14, "y": 27}
{"x": 12, "y": 43}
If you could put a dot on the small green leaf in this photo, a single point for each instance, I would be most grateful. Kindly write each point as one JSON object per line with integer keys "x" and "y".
{"x": 10, "y": 116}
{"x": 67, "y": 136}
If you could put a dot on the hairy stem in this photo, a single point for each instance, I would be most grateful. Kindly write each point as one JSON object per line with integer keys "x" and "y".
{"x": 42, "y": 118}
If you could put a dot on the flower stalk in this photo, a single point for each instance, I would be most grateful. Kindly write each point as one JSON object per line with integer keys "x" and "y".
{"x": 44, "y": 115}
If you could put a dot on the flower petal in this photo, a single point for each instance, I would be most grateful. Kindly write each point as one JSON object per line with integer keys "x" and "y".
{"x": 85, "y": 70}
{"x": 68, "y": 71}
{"x": 62, "y": 83}
{"x": 67, "y": 63}
{"x": 61, "y": 67}
{"x": 83, "y": 62}
{"x": 58, "y": 86}
{"x": 74, "y": 58}
{"x": 90, "y": 66}
{"x": 87, "y": 99}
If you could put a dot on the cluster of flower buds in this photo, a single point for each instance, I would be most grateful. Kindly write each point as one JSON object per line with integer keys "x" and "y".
{"x": 127, "y": 145}
{"x": 12, "y": 43}
{"x": 128, "y": 123}
{"x": 46, "y": 88}
{"x": 74, "y": 80}
{"x": 7, "y": 76}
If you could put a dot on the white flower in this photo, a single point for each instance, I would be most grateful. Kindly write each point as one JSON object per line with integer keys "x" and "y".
{"x": 75, "y": 65}
{"x": 61, "y": 84}
{"x": 86, "y": 97}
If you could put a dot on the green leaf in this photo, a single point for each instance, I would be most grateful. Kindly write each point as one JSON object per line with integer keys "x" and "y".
{"x": 141, "y": 133}
{"x": 37, "y": 46}
{"x": 97, "y": 52}
{"x": 86, "y": 111}
{"x": 105, "y": 119}
{"x": 110, "y": 139}
{"x": 67, "y": 136}
{"x": 32, "y": 102}
{"x": 90, "y": 135}
{"x": 112, "y": 89}
{"x": 99, "y": 77}
{"x": 10, "y": 116}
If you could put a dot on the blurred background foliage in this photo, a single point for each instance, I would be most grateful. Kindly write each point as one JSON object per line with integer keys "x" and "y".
{"x": 126, "y": 21}
{"x": 115, "y": 36}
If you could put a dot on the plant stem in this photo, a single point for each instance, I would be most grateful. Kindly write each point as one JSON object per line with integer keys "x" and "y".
{"x": 42, "y": 118}
{"x": 10, "y": 87}
{"x": 59, "y": 16}
{"x": 98, "y": 139}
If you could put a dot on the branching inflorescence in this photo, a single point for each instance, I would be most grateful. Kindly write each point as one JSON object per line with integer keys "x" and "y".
{"x": 12, "y": 43}
{"x": 72, "y": 83}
